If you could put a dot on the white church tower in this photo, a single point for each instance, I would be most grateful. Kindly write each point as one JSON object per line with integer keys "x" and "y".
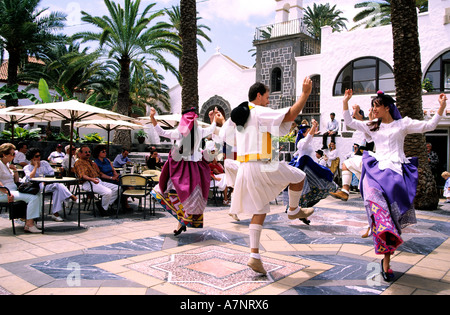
{"x": 288, "y": 10}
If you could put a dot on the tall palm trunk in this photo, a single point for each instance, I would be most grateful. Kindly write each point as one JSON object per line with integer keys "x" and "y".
{"x": 408, "y": 77}
{"x": 123, "y": 137}
{"x": 13, "y": 66}
{"x": 189, "y": 59}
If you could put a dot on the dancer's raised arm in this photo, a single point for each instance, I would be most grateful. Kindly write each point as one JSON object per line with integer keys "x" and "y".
{"x": 295, "y": 110}
{"x": 347, "y": 96}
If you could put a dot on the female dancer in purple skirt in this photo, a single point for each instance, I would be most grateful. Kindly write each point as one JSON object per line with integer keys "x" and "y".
{"x": 184, "y": 181}
{"x": 389, "y": 179}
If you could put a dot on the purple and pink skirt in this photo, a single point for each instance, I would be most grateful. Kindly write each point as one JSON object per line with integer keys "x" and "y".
{"x": 389, "y": 201}
{"x": 190, "y": 181}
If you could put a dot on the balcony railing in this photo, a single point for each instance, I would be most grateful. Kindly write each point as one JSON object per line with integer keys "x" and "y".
{"x": 310, "y": 46}
{"x": 280, "y": 29}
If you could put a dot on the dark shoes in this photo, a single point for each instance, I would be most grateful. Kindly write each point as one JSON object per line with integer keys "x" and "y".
{"x": 180, "y": 230}
{"x": 100, "y": 209}
{"x": 388, "y": 275}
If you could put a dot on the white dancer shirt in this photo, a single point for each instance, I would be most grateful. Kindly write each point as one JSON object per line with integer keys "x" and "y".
{"x": 200, "y": 133}
{"x": 389, "y": 139}
{"x": 260, "y": 182}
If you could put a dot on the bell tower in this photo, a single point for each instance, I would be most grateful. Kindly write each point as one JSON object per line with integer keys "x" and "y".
{"x": 288, "y": 10}
{"x": 277, "y": 46}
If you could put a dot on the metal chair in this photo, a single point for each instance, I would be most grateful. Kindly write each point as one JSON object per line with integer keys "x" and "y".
{"x": 89, "y": 195}
{"x": 16, "y": 209}
{"x": 135, "y": 186}
{"x": 153, "y": 181}
{"x": 215, "y": 192}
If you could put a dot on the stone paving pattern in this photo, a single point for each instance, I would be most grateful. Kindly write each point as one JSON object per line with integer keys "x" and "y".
{"x": 133, "y": 256}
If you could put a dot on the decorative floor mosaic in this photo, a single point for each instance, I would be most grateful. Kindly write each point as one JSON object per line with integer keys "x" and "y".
{"x": 326, "y": 257}
{"x": 215, "y": 270}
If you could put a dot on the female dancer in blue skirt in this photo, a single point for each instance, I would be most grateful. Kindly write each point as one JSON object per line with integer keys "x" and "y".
{"x": 319, "y": 179}
{"x": 389, "y": 179}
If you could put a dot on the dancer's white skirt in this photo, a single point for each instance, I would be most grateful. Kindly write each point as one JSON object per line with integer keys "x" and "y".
{"x": 258, "y": 183}
{"x": 231, "y": 169}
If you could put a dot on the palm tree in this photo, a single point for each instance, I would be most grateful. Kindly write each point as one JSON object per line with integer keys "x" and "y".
{"x": 408, "y": 75}
{"x": 64, "y": 67}
{"x": 129, "y": 35}
{"x": 378, "y": 13}
{"x": 189, "y": 59}
{"x": 175, "y": 19}
{"x": 322, "y": 15}
{"x": 146, "y": 87}
{"x": 24, "y": 31}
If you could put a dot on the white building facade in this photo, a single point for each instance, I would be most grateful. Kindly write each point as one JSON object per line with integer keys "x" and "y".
{"x": 361, "y": 59}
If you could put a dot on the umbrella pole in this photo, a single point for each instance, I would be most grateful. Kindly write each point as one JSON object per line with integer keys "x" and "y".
{"x": 70, "y": 146}
{"x": 108, "y": 142}
{"x": 12, "y": 133}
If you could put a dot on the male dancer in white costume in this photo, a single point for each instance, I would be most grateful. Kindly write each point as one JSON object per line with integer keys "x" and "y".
{"x": 259, "y": 181}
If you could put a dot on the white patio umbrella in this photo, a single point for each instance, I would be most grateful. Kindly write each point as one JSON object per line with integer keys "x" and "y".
{"x": 12, "y": 118}
{"x": 170, "y": 121}
{"x": 72, "y": 110}
{"x": 108, "y": 125}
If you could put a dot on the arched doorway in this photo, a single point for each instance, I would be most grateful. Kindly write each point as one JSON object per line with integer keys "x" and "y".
{"x": 216, "y": 101}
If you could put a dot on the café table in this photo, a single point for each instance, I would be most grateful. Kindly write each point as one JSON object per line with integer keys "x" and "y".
{"x": 52, "y": 180}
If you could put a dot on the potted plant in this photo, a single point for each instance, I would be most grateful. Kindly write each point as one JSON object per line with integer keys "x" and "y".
{"x": 140, "y": 135}
{"x": 92, "y": 138}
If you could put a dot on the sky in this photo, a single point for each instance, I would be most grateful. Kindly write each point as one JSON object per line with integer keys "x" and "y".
{"x": 232, "y": 22}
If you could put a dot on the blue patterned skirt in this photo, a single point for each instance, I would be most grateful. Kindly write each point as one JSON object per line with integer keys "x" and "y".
{"x": 318, "y": 182}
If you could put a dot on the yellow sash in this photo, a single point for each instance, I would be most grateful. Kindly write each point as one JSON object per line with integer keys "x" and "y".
{"x": 266, "y": 152}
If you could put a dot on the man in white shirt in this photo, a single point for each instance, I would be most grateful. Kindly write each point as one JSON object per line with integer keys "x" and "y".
{"x": 57, "y": 156}
{"x": 320, "y": 159}
{"x": 20, "y": 158}
{"x": 260, "y": 180}
{"x": 332, "y": 130}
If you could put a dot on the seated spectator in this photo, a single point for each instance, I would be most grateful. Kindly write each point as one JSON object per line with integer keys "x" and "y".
{"x": 320, "y": 158}
{"x": 89, "y": 173}
{"x": 107, "y": 171}
{"x": 8, "y": 178}
{"x": 38, "y": 168}
{"x": 332, "y": 131}
{"x": 20, "y": 157}
{"x": 57, "y": 156}
{"x": 153, "y": 160}
{"x": 332, "y": 157}
{"x": 65, "y": 161}
{"x": 122, "y": 159}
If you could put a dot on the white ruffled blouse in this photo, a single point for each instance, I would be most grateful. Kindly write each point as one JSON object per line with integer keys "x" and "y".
{"x": 200, "y": 133}
{"x": 390, "y": 138}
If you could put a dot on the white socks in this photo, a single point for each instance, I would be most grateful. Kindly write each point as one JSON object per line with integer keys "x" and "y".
{"x": 255, "y": 236}
{"x": 294, "y": 198}
{"x": 346, "y": 180}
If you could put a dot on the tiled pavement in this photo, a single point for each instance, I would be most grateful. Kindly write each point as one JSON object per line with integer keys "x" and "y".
{"x": 133, "y": 256}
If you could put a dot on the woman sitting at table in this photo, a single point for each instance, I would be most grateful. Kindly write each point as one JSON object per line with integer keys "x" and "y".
{"x": 8, "y": 178}
{"x": 107, "y": 171}
{"x": 38, "y": 168}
